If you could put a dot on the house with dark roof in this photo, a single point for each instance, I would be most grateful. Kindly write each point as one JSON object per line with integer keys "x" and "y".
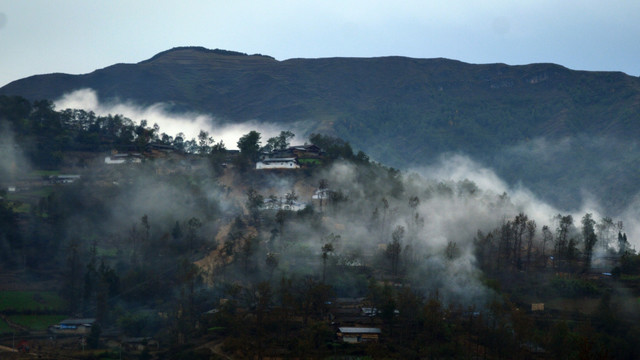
{"x": 73, "y": 326}
{"x": 293, "y": 157}
{"x": 356, "y": 334}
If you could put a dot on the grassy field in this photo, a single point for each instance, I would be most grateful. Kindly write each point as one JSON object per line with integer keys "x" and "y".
{"x": 30, "y": 301}
{"x": 37, "y": 322}
{"x": 4, "y": 327}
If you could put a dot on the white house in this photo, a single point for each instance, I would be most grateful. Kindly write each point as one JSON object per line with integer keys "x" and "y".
{"x": 122, "y": 159}
{"x": 73, "y": 326}
{"x": 358, "y": 334}
{"x": 279, "y": 204}
{"x": 277, "y": 163}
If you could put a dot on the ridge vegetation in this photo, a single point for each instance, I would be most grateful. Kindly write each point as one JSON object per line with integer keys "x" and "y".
{"x": 169, "y": 248}
{"x": 406, "y": 112}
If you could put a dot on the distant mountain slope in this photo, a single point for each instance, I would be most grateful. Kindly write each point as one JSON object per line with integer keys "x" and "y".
{"x": 402, "y": 111}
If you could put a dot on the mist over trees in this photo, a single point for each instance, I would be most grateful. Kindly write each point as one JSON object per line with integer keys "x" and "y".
{"x": 445, "y": 268}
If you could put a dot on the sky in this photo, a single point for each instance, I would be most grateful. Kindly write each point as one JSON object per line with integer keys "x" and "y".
{"x": 76, "y": 37}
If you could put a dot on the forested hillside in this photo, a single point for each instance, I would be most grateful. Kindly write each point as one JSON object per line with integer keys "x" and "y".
{"x": 174, "y": 248}
{"x": 530, "y": 123}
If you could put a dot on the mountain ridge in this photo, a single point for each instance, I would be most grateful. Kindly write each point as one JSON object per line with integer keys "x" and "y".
{"x": 402, "y": 111}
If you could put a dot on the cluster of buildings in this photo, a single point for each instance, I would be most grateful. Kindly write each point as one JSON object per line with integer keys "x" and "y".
{"x": 293, "y": 157}
{"x": 153, "y": 150}
{"x": 355, "y": 320}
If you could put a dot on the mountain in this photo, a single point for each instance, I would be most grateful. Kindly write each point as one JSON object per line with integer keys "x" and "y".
{"x": 405, "y": 111}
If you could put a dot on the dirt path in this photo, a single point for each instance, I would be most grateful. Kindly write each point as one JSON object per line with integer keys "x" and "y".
{"x": 216, "y": 348}
{"x": 13, "y": 325}
{"x": 7, "y": 349}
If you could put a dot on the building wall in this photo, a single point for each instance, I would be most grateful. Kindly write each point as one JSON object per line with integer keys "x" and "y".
{"x": 277, "y": 165}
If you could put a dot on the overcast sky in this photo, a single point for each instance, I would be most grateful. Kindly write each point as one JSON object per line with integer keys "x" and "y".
{"x": 44, "y": 36}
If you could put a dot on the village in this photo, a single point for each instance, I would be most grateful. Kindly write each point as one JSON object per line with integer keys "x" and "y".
{"x": 353, "y": 319}
{"x": 286, "y": 250}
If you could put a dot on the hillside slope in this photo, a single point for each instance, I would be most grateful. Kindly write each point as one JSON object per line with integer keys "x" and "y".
{"x": 402, "y": 111}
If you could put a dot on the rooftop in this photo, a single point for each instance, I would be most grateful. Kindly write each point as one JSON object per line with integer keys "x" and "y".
{"x": 359, "y": 330}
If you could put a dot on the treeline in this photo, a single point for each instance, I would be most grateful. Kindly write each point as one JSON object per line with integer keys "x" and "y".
{"x": 44, "y": 133}
{"x": 186, "y": 258}
{"x": 518, "y": 244}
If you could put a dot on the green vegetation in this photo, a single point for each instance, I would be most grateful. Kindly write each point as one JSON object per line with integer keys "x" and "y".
{"x": 35, "y": 301}
{"x": 529, "y": 123}
{"x": 525, "y": 122}
{"x": 37, "y": 322}
{"x": 574, "y": 288}
{"x": 272, "y": 263}
{"x": 4, "y": 327}
{"x": 310, "y": 161}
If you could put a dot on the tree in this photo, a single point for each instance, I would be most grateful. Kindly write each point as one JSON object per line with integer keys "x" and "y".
{"x": 178, "y": 141}
{"x": 312, "y": 298}
{"x": 108, "y": 287}
{"x": 414, "y": 202}
{"x": 531, "y": 232}
{"x": 547, "y": 236}
{"x": 192, "y": 237}
{"x": 281, "y": 217}
{"x": 334, "y": 147}
{"x": 505, "y": 242}
{"x": 249, "y": 145}
{"x": 187, "y": 277}
{"x": 290, "y": 198}
{"x": 254, "y": 203}
{"x": 93, "y": 340}
{"x": 395, "y": 247}
{"x": 327, "y": 248}
{"x": 385, "y": 210}
{"x": 562, "y": 235}
{"x": 72, "y": 289}
{"x": 623, "y": 244}
{"x": 90, "y": 276}
{"x": 247, "y": 251}
{"x": 218, "y": 157}
{"x": 204, "y": 142}
{"x": 280, "y": 142}
{"x": 606, "y": 232}
{"x": 272, "y": 263}
{"x": 589, "y": 237}
{"x": 520, "y": 225}
{"x": 263, "y": 298}
{"x": 139, "y": 238}
{"x": 176, "y": 232}
{"x": 451, "y": 252}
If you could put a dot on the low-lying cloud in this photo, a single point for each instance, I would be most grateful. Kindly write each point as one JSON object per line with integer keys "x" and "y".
{"x": 171, "y": 123}
{"x": 445, "y": 219}
{"x": 456, "y": 167}
{"x": 13, "y": 162}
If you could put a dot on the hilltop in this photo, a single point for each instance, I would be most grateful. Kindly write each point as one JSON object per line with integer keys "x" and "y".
{"x": 405, "y": 111}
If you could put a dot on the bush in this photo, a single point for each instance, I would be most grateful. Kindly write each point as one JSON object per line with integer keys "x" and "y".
{"x": 571, "y": 288}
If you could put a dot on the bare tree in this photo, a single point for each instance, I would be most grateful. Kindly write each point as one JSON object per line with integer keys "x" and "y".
{"x": 589, "y": 237}
{"x": 394, "y": 248}
{"x": 547, "y": 236}
{"x": 531, "y": 232}
{"x": 326, "y": 250}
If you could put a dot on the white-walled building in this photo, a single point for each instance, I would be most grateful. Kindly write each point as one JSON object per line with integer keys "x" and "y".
{"x": 277, "y": 163}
